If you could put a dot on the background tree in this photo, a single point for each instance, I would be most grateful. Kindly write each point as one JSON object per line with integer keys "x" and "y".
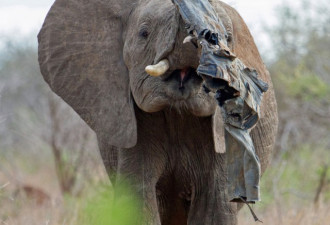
{"x": 36, "y": 122}
{"x": 301, "y": 74}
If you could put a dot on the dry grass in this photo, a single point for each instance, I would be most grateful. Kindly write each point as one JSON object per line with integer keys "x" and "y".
{"x": 299, "y": 215}
{"x": 19, "y": 208}
{"x": 34, "y": 198}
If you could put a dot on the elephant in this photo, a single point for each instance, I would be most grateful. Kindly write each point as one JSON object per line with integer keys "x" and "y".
{"x": 164, "y": 134}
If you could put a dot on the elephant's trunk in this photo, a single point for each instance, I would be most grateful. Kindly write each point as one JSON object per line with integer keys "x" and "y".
{"x": 185, "y": 53}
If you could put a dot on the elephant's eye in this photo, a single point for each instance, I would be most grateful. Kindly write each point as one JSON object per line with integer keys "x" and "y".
{"x": 144, "y": 33}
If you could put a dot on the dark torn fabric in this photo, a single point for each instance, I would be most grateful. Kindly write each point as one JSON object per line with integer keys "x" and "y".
{"x": 238, "y": 92}
{"x": 207, "y": 19}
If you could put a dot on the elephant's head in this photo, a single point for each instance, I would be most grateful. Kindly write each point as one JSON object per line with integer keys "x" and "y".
{"x": 94, "y": 53}
{"x": 155, "y": 33}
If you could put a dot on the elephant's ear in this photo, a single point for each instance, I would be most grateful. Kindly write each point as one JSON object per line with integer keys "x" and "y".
{"x": 80, "y": 56}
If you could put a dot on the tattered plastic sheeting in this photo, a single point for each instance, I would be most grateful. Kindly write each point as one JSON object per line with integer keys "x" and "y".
{"x": 199, "y": 15}
{"x": 238, "y": 92}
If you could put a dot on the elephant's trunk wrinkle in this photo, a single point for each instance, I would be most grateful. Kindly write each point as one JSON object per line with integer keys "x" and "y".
{"x": 141, "y": 82}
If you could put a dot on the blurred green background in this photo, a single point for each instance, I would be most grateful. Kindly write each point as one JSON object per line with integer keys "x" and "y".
{"x": 51, "y": 171}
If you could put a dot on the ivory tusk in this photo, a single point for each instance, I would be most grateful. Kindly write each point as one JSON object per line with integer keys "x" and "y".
{"x": 158, "y": 69}
{"x": 188, "y": 39}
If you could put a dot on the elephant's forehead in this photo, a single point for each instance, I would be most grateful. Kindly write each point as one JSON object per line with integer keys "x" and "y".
{"x": 156, "y": 9}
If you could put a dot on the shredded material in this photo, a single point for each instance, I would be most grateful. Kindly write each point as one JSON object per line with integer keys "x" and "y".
{"x": 238, "y": 91}
{"x": 256, "y": 219}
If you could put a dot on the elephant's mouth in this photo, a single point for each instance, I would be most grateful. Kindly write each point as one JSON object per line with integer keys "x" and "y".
{"x": 182, "y": 76}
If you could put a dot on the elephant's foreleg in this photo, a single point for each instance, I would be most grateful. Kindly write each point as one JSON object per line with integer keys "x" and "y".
{"x": 109, "y": 156}
{"x": 140, "y": 170}
{"x": 209, "y": 203}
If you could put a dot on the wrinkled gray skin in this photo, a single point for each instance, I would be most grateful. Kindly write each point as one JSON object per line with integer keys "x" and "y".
{"x": 165, "y": 140}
